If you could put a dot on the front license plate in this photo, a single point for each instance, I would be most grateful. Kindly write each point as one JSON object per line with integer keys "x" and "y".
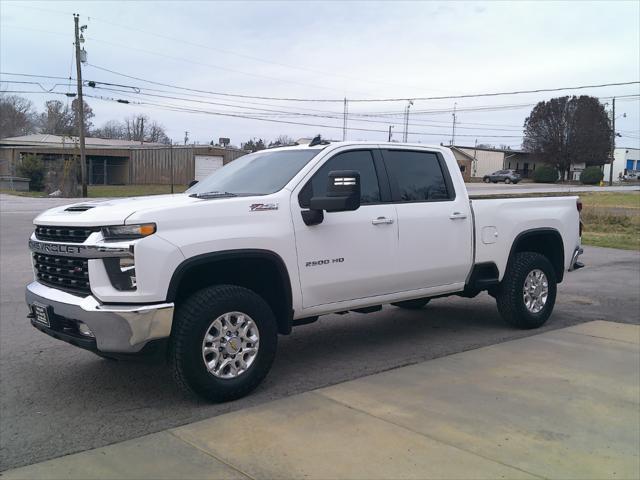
{"x": 41, "y": 314}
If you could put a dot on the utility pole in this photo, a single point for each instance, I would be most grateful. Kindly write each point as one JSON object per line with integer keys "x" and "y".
{"x": 613, "y": 141}
{"x": 141, "y": 130}
{"x": 80, "y": 106}
{"x": 171, "y": 162}
{"x": 186, "y": 137}
{"x": 474, "y": 170}
{"x": 453, "y": 128}
{"x": 344, "y": 120}
{"x": 405, "y": 136}
{"x": 390, "y": 127}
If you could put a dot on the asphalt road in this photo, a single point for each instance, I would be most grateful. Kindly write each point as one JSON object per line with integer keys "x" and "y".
{"x": 56, "y": 399}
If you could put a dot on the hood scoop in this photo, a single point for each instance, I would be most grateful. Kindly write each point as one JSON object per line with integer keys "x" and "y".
{"x": 79, "y": 208}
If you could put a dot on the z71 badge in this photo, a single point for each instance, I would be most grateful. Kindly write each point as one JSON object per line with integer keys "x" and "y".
{"x": 261, "y": 207}
{"x": 317, "y": 263}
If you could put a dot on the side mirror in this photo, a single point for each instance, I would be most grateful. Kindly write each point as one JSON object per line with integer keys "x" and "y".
{"x": 192, "y": 183}
{"x": 343, "y": 194}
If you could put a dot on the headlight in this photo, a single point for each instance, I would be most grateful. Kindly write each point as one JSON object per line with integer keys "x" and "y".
{"x": 128, "y": 232}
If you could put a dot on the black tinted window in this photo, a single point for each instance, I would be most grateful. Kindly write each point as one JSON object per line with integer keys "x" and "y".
{"x": 417, "y": 175}
{"x": 360, "y": 160}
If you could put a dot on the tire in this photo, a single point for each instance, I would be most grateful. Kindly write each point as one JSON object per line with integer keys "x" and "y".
{"x": 486, "y": 180}
{"x": 508, "y": 180}
{"x": 196, "y": 317}
{"x": 510, "y": 296}
{"x": 414, "y": 304}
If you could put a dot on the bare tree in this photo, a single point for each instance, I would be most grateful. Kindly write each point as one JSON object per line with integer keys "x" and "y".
{"x": 282, "y": 140}
{"x": 60, "y": 119}
{"x": 88, "y": 115}
{"x": 140, "y": 129}
{"x": 113, "y": 129}
{"x": 17, "y": 116}
{"x": 57, "y": 118}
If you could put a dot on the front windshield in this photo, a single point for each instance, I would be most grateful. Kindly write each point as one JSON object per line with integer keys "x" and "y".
{"x": 258, "y": 173}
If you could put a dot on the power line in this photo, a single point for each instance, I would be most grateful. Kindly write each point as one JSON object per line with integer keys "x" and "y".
{"x": 291, "y": 99}
{"x": 286, "y": 113}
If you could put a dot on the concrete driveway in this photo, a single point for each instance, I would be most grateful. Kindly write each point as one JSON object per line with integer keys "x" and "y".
{"x": 56, "y": 399}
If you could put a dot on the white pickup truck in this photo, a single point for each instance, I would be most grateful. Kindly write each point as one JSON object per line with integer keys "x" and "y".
{"x": 209, "y": 278}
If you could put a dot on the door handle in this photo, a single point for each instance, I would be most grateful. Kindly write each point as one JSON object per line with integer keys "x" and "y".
{"x": 458, "y": 216}
{"x": 382, "y": 221}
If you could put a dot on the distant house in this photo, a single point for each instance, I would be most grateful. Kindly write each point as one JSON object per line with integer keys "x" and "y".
{"x": 476, "y": 162}
{"x": 119, "y": 162}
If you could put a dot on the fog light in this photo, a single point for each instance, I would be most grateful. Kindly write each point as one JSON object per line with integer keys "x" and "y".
{"x": 85, "y": 330}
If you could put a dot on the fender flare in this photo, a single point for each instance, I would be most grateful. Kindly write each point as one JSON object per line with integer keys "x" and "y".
{"x": 284, "y": 324}
{"x": 536, "y": 231}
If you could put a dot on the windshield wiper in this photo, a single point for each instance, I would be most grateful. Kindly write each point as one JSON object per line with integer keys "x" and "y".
{"x": 212, "y": 194}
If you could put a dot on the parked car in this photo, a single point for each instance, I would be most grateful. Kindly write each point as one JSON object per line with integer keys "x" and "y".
{"x": 506, "y": 176}
{"x": 279, "y": 237}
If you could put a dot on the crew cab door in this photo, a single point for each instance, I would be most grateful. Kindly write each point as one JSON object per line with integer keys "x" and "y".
{"x": 435, "y": 224}
{"x": 350, "y": 254}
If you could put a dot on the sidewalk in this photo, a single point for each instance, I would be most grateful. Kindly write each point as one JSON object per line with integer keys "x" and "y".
{"x": 562, "y": 404}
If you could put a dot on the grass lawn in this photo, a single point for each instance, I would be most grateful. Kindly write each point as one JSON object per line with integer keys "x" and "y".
{"x": 611, "y": 219}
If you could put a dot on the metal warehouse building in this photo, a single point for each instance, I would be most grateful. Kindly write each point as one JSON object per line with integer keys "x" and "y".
{"x": 119, "y": 162}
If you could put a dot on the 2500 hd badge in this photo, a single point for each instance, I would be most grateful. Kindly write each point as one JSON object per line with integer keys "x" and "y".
{"x": 326, "y": 261}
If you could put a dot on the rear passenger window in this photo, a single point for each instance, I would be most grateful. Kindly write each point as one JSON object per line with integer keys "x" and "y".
{"x": 416, "y": 176}
{"x": 360, "y": 160}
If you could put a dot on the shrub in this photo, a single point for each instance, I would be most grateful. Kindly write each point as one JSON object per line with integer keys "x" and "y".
{"x": 591, "y": 176}
{"x": 545, "y": 174}
{"x": 32, "y": 168}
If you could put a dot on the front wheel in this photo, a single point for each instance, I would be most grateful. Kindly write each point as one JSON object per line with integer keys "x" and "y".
{"x": 508, "y": 180}
{"x": 527, "y": 293}
{"x": 223, "y": 342}
{"x": 486, "y": 180}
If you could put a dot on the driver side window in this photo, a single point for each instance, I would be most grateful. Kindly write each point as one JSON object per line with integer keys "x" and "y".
{"x": 360, "y": 160}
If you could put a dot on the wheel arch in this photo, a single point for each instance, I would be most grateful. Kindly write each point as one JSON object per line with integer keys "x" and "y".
{"x": 269, "y": 278}
{"x": 546, "y": 241}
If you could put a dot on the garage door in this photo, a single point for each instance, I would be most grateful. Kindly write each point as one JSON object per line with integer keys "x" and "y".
{"x": 206, "y": 165}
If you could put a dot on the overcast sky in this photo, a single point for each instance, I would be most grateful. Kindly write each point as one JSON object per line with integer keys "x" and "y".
{"x": 330, "y": 50}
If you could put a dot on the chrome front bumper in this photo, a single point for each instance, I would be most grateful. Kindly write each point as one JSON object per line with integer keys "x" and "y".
{"x": 117, "y": 328}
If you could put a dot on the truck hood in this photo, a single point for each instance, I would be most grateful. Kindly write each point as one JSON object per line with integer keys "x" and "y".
{"x": 109, "y": 212}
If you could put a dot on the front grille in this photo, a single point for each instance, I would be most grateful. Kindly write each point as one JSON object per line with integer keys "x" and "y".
{"x": 64, "y": 234}
{"x": 68, "y": 274}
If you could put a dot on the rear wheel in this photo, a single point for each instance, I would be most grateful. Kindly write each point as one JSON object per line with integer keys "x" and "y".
{"x": 527, "y": 293}
{"x": 414, "y": 304}
{"x": 223, "y": 342}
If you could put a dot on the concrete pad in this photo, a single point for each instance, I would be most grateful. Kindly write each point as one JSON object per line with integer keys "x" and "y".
{"x": 557, "y": 405}
{"x": 314, "y": 437}
{"x": 622, "y": 332}
{"x": 157, "y": 456}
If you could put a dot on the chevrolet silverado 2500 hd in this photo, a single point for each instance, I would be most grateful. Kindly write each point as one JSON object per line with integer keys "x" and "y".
{"x": 277, "y": 238}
